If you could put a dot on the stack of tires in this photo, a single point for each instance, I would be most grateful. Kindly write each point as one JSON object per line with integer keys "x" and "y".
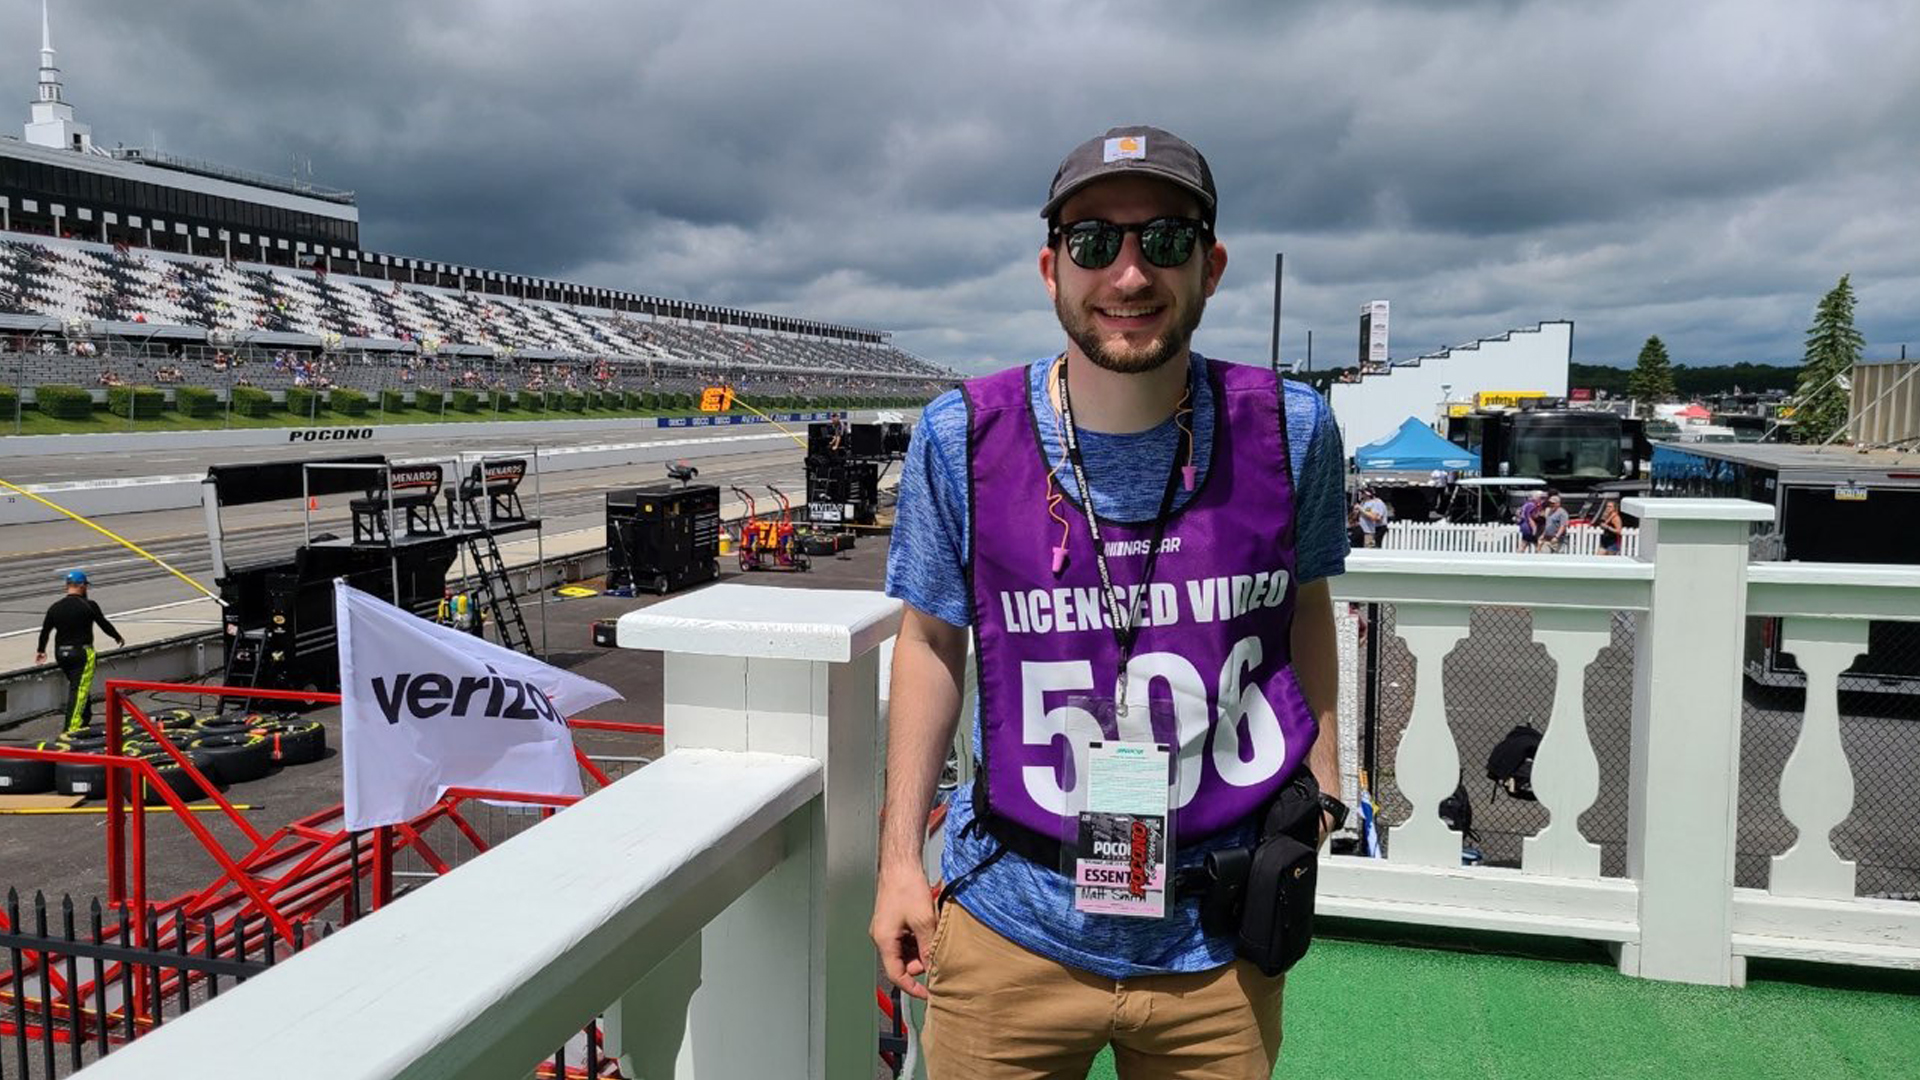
{"x": 245, "y": 746}
{"x": 24, "y": 777}
{"x": 227, "y": 749}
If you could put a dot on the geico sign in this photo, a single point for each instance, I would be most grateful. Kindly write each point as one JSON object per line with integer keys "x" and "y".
{"x": 329, "y": 434}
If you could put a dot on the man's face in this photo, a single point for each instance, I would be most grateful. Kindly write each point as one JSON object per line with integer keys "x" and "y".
{"x": 1131, "y": 316}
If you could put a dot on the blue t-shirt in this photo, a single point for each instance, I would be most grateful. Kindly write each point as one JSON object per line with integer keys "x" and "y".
{"x": 1026, "y": 903}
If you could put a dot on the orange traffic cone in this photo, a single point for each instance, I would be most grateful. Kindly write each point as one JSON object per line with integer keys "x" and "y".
{"x": 313, "y": 502}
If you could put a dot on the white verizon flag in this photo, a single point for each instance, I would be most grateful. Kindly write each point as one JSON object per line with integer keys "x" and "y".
{"x": 425, "y": 707}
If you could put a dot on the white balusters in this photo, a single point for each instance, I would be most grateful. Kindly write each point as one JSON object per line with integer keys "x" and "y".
{"x": 1427, "y": 767}
{"x": 1566, "y": 775}
{"x": 1816, "y": 787}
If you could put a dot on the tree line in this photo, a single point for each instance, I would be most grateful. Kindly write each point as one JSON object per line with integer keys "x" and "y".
{"x": 1818, "y": 385}
{"x": 1689, "y": 380}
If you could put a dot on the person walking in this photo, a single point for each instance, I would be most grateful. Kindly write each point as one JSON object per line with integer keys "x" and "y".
{"x": 1553, "y": 530}
{"x": 1217, "y": 515}
{"x": 1530, "y": 521}
{"x": 1374, "y": 516}
{"x": 70, "y": 622}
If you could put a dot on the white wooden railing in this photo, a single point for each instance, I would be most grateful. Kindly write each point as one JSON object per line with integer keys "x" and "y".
{"x": 1448, "y": 536}
{"x": 1676, "y": 914}
{"x": 714, "y": 905}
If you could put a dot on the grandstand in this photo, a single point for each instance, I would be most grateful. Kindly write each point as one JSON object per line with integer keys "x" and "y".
{"x": 132, "y": 267}
{"x": 96, "y": 315}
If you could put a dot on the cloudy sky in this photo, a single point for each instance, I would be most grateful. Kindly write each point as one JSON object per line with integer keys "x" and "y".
{"x": 1701, "y": 171}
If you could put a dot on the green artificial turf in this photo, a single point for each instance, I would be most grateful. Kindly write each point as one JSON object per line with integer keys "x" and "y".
{"x": 1364, "y": 1009}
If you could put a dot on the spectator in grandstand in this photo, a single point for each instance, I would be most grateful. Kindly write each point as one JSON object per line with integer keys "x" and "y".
{"x": 1029, "y": 975}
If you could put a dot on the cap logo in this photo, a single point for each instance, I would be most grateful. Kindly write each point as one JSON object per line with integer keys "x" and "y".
{"x": 1126, "y": 146}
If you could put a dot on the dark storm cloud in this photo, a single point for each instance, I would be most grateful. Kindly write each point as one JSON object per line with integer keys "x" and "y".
{"x": 1703, "y": 172}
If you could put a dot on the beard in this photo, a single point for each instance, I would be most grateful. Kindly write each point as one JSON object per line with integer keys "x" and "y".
{"x": 1126, "y": 359}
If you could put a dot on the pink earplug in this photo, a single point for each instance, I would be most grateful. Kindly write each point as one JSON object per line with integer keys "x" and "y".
{"x": 1186, "y": 476}
{"x": 1059, "y": 560}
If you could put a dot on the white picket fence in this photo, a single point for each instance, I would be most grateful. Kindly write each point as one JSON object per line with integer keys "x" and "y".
{"x": 1448, "y": 537}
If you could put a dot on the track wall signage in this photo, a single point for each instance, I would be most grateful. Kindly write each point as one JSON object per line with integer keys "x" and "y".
{"x": 329, "y": 434}
{"x": 725, "y": 419}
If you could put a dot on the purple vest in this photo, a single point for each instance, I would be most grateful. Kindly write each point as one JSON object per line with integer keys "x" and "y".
{"x": 1215, "y": 646}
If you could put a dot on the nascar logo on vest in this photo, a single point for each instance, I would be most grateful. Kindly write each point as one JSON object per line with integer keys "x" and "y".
{"x": 426, "y": 707}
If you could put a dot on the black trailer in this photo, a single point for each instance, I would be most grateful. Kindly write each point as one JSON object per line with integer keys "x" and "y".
{"x": 1831, "y": 504}
{"x": 663, "y": 537}
{"x": 845, "y": 463}
{"x": 1571, "y": 449}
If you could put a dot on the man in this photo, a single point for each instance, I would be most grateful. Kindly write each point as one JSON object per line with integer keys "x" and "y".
{"x": 1373, "y": 518}
{"x": 71, "y": 620}
{"x": 1204, "y": 475}
{"x": 1553, "y": 532}
{"x": 1530, "y": 521}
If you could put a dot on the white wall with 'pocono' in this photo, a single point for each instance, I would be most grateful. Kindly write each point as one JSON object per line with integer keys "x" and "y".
{"x": 1527, "y": 359}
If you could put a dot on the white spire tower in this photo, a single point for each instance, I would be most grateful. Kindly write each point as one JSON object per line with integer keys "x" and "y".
{"x": 52, "y": 122}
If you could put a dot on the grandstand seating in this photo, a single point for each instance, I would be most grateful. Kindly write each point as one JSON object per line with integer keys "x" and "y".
{"x": 389, "y": 335}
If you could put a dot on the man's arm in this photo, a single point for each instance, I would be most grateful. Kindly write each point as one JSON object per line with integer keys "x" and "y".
{"x": 1316, "y": 664}
{"x": 924, "y": 706}
{"x": 100, "y": 617}
{"x": 46, "y": 628}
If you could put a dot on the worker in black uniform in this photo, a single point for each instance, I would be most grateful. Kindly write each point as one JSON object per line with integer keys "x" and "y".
{"x": 71, "y": 620}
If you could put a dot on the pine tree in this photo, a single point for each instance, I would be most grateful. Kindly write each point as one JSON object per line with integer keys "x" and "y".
{"x": 1820, "y": 403}
{"x": 1652, "y": 378}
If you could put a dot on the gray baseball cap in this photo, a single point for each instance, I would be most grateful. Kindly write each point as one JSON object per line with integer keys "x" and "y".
{"x": 1134, "y": 150}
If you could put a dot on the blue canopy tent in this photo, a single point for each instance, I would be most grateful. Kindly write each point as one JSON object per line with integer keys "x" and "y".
{"x": 1415, "y": 448}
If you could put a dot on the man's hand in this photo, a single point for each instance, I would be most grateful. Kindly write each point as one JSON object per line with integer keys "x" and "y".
{"x": 119, "y": 643}
{"x": 903, "y": 925}
{"x": 927, "y": 659}
{"x": 39, "y": 658}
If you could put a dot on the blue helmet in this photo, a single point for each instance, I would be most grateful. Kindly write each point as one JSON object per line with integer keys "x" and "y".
{"x": 76, "y": 577}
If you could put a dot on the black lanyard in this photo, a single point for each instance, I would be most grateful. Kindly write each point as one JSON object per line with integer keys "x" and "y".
{"x": 1120, "y": 618}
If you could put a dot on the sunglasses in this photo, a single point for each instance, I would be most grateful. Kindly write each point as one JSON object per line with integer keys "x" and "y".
{"x": 1165, "y": 241}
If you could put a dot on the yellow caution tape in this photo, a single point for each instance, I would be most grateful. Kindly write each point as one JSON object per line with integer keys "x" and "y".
{"x": 743, "y": 404}
{"x": 116, "y": 538}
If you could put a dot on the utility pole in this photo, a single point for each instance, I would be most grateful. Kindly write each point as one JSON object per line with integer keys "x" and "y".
{"x": 1279, "y": 267}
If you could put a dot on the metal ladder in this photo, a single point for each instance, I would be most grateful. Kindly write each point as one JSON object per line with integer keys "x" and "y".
{"x": 244, "y": 662}
{"x": 497, "y": 592}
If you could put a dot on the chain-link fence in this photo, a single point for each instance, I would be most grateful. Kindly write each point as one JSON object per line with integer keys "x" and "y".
{"x": 1498, "y": 677}
{"x": 1880, "y": 732}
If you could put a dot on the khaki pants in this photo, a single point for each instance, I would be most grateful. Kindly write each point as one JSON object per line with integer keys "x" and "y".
{"x": 999, "y": 1012}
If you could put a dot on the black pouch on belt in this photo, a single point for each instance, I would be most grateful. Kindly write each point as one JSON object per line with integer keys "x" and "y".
{"x": 1276, "y": 909}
